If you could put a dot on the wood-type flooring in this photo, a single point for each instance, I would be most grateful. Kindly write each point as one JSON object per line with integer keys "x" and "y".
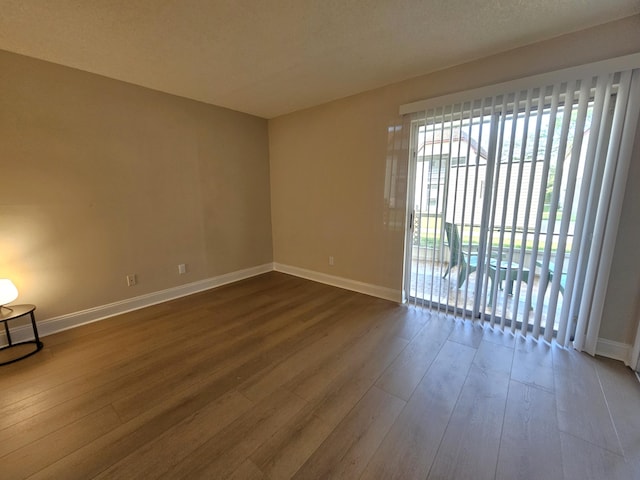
{"x": 278, "y": 377}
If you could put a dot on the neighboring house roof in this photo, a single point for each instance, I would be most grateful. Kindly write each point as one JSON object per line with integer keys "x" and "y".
{"x": 451, "y": 135}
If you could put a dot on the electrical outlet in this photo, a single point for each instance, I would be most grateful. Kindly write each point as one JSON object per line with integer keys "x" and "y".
{"x": 182, "y": 268}
{"x": 331, "y": 260}
{"x": 131, "y": 280}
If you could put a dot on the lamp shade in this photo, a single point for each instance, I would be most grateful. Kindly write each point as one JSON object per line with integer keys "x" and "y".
{"x": 8, "y": 291}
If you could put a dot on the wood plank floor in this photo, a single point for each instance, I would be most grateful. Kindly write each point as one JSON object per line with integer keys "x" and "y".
{"x": 279, "y": 377}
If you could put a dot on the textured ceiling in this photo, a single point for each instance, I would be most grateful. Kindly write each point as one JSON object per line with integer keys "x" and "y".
{"x": 270, "y": 57}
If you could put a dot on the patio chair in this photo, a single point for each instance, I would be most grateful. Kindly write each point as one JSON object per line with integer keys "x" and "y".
{"x": 563, "y": 277}
{"x": 467, "y": 264}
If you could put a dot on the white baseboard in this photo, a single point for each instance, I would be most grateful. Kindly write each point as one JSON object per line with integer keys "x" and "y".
{"x": 604, "y": 347}
{"x": 71, "y": 320}
{"x": 50, "y": 326}
{"x": 340, "y": 282}
{"x": 614, "y": 350}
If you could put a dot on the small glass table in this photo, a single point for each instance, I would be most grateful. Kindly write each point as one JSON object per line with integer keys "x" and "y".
{"x": 15, "y": 312}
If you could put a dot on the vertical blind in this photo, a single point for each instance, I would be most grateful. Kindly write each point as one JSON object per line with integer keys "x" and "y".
{"x": 515, "y": 198}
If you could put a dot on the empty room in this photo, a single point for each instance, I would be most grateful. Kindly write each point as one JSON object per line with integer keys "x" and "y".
{"x": 320, "y": 239}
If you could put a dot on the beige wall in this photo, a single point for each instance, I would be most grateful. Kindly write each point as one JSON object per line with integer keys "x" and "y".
{"x": 622, "y": 303}
{"x": 100, "y": 178}
{"x": 331, "y": 167}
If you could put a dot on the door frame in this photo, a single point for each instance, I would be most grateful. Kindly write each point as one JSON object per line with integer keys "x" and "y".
{"x": 493, "y": 127}
{"x": 634, "y": 360}
{"x": 410, "y": 213}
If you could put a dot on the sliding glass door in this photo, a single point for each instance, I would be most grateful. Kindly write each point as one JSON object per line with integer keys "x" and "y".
{"x": 508, "y": 194}
{"x": 448, "y": 183}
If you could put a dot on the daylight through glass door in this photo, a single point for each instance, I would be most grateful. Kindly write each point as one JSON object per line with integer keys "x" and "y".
{"x": 506, "y": 192}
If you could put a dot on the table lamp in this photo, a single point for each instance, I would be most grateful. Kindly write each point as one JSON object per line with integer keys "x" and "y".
{"x": 8, "y": 292}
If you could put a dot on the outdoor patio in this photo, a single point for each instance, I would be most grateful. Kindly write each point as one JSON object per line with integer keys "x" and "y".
{"x": 427, "y": 285}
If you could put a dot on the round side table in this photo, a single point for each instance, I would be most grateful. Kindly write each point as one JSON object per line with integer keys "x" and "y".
{"x": 15, "y": 312}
